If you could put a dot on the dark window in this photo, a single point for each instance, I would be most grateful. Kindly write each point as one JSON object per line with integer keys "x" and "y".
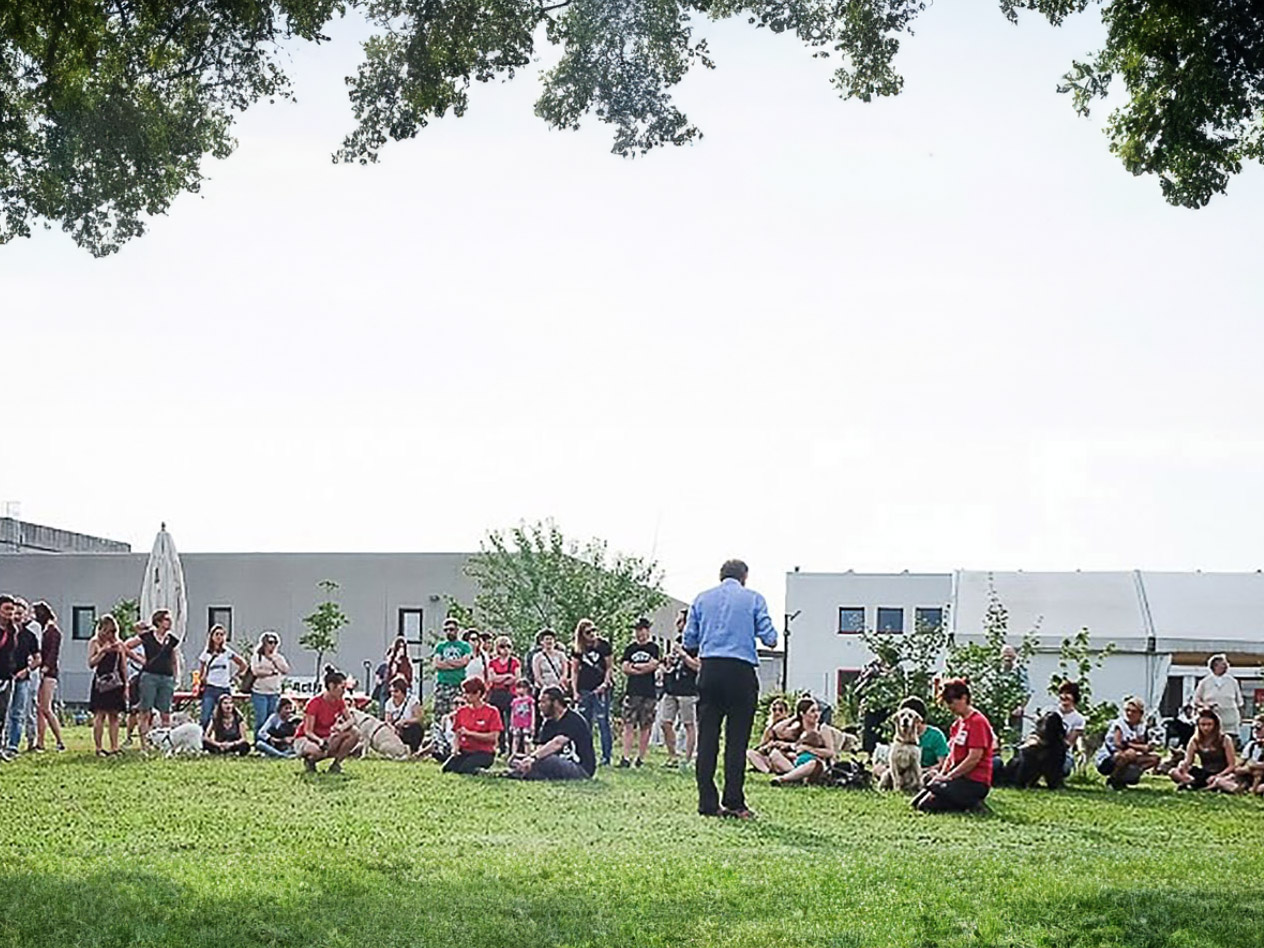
{"x": 410, "y": 624}
{"x": 846, "y": 678}
{"x": 83, "y": 622}
{"x": 890, "y": 620}
{"x": 220, "y": 615}
{"x": 927, "y": 619}
{"x": 1173, "y": 696}
{"x": 851, "y": 619}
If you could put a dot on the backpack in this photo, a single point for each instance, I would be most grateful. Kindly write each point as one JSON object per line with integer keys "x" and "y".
{"x": 849, "y": 774}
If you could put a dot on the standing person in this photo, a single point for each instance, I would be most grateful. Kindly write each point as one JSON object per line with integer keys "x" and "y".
{"x": 8, "y": 641}
{"x": 965, "y": 777}
{"x": 503, "y": 672}
{"x": 398, "y": 664}
{"x": 402, "y": 711}
{"x": 565, "y": 751}
{"x": 680, "y": 695}
{"x": 35, "y": 674}
{"x": 549, "y": 663}
{"x": 1012, "y": 671}
{"x": 216, "y": 670}
{"x": 26, "y": 659}
{"x": 135, "y": 664}
{"x": 640, "y": 698}
{"x": 327, "y": 729}
{"x": 1220, "y": 692}
{"x": 477, "y": 727}
{"x": 451, "y": 656}
{"x": 107, "y": 657}
{"x": 50, "y": 671}
{"x": 275, "y": 736}
{"x": 590, "y": 670}
{"x": 477, "y": 667}
{"x": 522, "y": 718}
{"x": 158, "y": 674}
{"x": 724, "y": 623}
{"x": 269, "y": 668}
{"x": 222, "y": 734}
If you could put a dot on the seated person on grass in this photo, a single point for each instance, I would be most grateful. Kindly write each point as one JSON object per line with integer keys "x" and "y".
{"x": 223, "y": 731}
{"x": 1127, "y": 752}
{"x": 930, "y": 740}
{"x": 965, "y": 777}
{"x": 1216, "y": 760}
{"x": 813, "y": 752}
{"x": 1248, "y": 773}
{"x": 1072, "y": 721}
{"x": 403, "y": 713}
{"x": 477, "y": 727}
{"x": 780, "y": 728}
{"x": 565, "y": 751}
{"x": 276, "y": 734}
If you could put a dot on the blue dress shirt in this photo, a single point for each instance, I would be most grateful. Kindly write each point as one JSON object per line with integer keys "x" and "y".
{"x": 724, "y": 621}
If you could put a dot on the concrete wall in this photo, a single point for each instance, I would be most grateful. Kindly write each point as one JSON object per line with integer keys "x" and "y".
{"x": 17, "y": 536}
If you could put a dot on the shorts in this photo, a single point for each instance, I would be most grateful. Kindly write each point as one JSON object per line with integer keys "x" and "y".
{"x": 133, "y": 693}
{"x": 156, "y": 692}
{"x": 805, "y": 757}
{"x": 444, "y": 697}
{"x": 683, "y": 706}
{"x": 304, "y": 745}
{"x": 639, "y": 710}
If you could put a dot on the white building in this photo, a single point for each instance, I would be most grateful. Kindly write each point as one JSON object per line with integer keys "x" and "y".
{"x": 1163, "y": 625}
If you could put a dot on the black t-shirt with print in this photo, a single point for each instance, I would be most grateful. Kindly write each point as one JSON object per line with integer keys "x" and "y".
{"x": 638, "y": 653}
{"x": 8, "y": 644}
{"x": 680, "y": 679}
{"x": 27, "y": 645}
{"x": 592, "y": 665}
{"x": 577, "y": 730}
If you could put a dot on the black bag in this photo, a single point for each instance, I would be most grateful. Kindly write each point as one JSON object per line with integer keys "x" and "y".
{"x": 850, "y": 774}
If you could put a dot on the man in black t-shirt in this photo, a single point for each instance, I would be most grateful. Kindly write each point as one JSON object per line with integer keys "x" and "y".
{"x": 680, "y": 694}
{"x": 640, "y": 701}
{"x": 565, "y": 751}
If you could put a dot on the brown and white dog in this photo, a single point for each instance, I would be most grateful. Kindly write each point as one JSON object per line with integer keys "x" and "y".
{"x": 905, "y": 758}
{"x": 378, "y": 736}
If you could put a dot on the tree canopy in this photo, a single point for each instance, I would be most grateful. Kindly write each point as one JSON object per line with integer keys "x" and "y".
{"x": 108, "y": 107}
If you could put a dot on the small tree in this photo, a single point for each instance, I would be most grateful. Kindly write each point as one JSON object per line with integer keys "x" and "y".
{"x": 1075, "y": 655}
{"x": 910, "y": 664}
{"x": 323, "y": 625}
{"x": 126, "y": 613}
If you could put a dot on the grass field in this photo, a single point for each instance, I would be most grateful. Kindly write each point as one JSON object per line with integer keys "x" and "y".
{"x": 203, "y": 852}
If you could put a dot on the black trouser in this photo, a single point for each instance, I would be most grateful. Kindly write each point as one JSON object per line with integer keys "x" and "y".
{"x": 500, "y": 699}
{"x": 468, "y": 763}
{"x": 874, "y": 719}
{"x": 727, "y": 691}
{"x": 960, "y": 793}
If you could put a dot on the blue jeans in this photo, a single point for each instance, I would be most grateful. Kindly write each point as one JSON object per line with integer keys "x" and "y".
{"x": 210, "y": 695}
{"x": 20, "y": 694}
{"x": 267, "y": 750}
{"x": 596, "y": 707}
{"x": 263, "y": 706}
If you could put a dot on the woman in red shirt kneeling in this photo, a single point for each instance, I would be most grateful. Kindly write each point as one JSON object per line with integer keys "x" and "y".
{"x": 477, "y": 726}
{"x": 965, "y": 776}
{"x": 327, "y": 730}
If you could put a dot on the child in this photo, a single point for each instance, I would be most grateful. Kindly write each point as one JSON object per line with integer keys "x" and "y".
{"x": 521, "y": 718}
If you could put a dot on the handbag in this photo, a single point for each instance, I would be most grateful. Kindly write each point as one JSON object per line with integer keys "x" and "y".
{"x": 111, "y": 680}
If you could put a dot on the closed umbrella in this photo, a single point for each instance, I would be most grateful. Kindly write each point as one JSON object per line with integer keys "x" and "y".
{"x": 163, "y": 585}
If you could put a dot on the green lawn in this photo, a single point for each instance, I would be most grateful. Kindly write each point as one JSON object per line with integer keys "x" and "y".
{"x": 252, "y": 852}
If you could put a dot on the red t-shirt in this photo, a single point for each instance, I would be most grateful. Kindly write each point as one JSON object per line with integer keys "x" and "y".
{"x": 483, "y": 718}
{"x": 506, "y": 666}
{"x": 966, "y": 734}
{"x": 326, "y": 714}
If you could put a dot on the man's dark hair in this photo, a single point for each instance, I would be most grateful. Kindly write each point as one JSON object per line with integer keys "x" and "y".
{"x": 915, "y": 703}
{"x": 733, "y": 569}
{"x": 554, "y": 693}
{"x": 1070, "y": 688}
{"x": 7, "y": 600}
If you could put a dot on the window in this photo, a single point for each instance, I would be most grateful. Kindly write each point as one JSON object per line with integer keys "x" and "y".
{"x": 851, "y": 620}
{"x": 846, "y": 679}
{"x": 928, "y": 619}
{"x": 83, "y": 622}
{"x": 410, "y": 624}
{"x": 890, "y": 620}
{"x": 220, "y": 615}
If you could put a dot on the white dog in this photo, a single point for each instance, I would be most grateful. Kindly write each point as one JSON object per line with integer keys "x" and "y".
{"x": 378, "y": 736}
{"x": 905, "y": 757}
{"x": 183, "y": 738}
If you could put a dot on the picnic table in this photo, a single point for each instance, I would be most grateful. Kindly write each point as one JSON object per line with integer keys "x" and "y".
{"x": 182, "y": 699}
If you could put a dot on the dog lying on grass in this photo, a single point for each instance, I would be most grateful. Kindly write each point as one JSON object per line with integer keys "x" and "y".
{"x": 904, "y": 758}
{"x": 378, "y": 736}
{"x": 1041, "y": 755}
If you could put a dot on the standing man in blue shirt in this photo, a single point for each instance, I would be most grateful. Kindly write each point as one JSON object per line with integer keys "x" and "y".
{"x": 723, "y": 625}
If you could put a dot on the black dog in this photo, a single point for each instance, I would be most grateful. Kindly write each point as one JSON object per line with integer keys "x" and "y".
{"x": 1041, "y": 755}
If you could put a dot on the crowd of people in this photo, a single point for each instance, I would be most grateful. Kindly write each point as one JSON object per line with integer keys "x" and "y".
{"x": 537, "y": 713}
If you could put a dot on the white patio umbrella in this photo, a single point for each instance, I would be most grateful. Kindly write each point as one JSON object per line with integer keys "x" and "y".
{"x": 163, "y": 584}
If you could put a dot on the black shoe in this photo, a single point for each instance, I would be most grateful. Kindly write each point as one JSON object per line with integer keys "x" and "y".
{"x": 309, "y": 765}
{"x": 624, "y": 763}
{"x": 638, "y": 762}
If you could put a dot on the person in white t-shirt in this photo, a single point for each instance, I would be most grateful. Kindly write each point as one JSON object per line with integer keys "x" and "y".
{"x": 1072, "y": 720}
{"x": 216, "y": 670}
{"x": 402, "y": 711}
{"x": 477, "y": 667}
{"x": 1220, "y": 692}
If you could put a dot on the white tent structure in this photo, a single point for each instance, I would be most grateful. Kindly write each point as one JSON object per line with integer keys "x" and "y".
{"x": 163, "y": 584}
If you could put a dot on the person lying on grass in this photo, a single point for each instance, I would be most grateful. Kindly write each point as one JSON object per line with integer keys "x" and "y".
{"x": 327, "y": 729}
{"x": 477, "y": 727}
{"x": 1216, "y": 760}
{"x": 965, "y": 777}
{"x": 223, "y": 731}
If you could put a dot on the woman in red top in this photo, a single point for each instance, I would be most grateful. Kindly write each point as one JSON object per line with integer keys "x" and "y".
{"x": 477, "y": 726}
{"x": 326, "y": 730}
{"x": 503, "y": 672}
{"x": 965, "y": 776}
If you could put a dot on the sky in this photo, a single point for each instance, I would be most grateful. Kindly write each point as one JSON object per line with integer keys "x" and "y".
{"x": 940, "y": 331}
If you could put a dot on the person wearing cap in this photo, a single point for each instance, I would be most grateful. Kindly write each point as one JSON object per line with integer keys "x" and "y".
{"x": 724, "y": 624}
{"x": 565, "y": 750}
{"x": 451, "y": 656}
{"x": 1219, "y": 691}
{"x": 640, "y": 696}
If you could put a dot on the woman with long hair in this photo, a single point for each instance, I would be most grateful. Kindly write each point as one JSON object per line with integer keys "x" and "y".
{"x": 589, "y": 677}
{"x": 107, "y": 657}
{"x": 1215, "y": 752}
{"x": 398, "y": 664}
{"x": 269, "y": 668}
{"x": 50, "y": 670}
{"x": 965, "y": 777}
{"x": 779, "y": 736}
{"x": 223, "y": 733}
{"x": 327, "y": 729}
{"x": 216, "y": 670}
{"x": 813, "y": 751}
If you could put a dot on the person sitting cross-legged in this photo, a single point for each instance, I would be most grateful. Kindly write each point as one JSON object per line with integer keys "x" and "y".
{"x": 223, "y": 731}
{"x": 565, "y": 751}
{"x": 275, "y": 736}
{"x": 477, "y": 727}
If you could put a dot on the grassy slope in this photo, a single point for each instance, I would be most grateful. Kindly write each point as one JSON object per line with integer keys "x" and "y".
{"x": 250, "y": 852}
